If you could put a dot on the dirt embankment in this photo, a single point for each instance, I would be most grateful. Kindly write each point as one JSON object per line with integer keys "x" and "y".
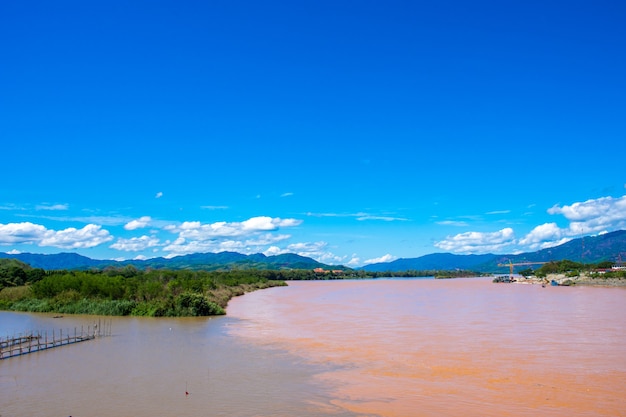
{"x": 582, "y": 279}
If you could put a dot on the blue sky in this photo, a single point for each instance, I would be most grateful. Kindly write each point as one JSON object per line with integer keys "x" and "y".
{"x": 347, "y": 131}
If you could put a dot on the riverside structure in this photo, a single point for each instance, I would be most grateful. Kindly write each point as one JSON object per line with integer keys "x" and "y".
{"x": 22, "y": 344}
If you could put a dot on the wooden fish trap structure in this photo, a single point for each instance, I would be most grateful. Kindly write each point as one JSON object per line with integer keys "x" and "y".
{"x": 22, "y": 344}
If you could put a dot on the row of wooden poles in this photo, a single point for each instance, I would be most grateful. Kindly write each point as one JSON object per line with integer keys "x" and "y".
{"x": 33, "y": 342}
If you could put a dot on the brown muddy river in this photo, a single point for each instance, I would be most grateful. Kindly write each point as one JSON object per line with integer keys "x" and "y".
{"x": 420, "y": 347}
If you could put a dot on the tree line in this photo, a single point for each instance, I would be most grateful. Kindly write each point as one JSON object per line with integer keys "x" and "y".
{"x": 126, "y": 291}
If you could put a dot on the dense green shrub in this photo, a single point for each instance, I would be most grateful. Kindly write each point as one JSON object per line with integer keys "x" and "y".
{"x": 194, "y": 304}
{"x": 11, "y": 294}
{"x": 32, "y": 304}
{"x": 158, "y": 308}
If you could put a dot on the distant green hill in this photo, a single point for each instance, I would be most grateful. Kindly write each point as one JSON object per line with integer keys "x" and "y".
{"x": 433, "y": 261}
{"x": 7, "y": 263}
{"x": 196, "y": 261}
{"x": 229, "y": 261}
{"x": 57, "y": 261}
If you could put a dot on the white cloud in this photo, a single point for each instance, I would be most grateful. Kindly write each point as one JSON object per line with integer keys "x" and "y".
{"x": 544, "y": 236}
{"x": 21, "y": 233}
{"x": 311, "y": 214}
{"x": 383, "y": 218}
{"x": 308, "y": 247}
{"x": 452, "y": 223}
{"x": 214, "y": 207}
{"x": 384, "y": 258}
{"x": 263, "y": 223}
{"x": 499, "y": 212}
{"x": 102, "y": 220}
{"x": 254, "y": 225}
{"x": 315, "y": 250}
{"x": 250, "y": 236}
{"x": 286, "y": 222}
{"x": 70, "y": 238}
{"x": 591, "y": 216}
{"x": 12, "y": 207}
{"x": 135, "y": 244}
{"x": 286, "y": 195}
{"x": 478, "y": 242}
{"x": 138, "y": 224}
{"x": 266, "y": 239}
{"x": 311, "y": 250}
{"x": 158, "y": 195}
{"x": 52, "y": 207}
{"x": 360, "y": 216}
{"x": 14, "y": 252}
{"x": 546, "y": 231}
{"x": 183, "y": 247}
{"x": 274, "y": 250}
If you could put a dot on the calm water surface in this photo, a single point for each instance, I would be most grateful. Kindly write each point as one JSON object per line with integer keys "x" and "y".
{"x": 341, "y": 348}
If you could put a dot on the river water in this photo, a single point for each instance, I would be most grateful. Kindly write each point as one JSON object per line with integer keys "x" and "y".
{"x": 406, "y": 347}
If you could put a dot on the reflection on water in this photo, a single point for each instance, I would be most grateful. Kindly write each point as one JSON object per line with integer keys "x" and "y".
{"x": 451, "y": 347}
{"x": 341, "y": 348}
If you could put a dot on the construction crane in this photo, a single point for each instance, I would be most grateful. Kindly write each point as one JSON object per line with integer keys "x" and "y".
{"x": 511, "y": 265}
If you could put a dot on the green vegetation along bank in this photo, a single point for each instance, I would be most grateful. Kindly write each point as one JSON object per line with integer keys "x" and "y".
{"x": 125, "y": 291}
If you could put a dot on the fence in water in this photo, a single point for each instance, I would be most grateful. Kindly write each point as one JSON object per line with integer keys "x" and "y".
{"x": 24, "y": 343}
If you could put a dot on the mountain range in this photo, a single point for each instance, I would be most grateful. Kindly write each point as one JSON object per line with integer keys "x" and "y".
{"x": 196, "y": 261}
{"x": 589, "y": 249}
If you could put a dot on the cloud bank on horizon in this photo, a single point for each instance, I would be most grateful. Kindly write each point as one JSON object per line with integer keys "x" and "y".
{"x": 263, "y": 234}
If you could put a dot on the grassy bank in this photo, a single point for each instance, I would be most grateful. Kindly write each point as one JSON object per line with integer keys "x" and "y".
{"x": 127, "y": 291}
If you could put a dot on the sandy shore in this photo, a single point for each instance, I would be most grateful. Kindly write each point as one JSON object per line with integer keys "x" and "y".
{"x": 583, "y": 279}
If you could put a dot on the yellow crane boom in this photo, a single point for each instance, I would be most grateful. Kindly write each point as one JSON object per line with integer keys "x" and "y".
{"x": 511, "y": 265}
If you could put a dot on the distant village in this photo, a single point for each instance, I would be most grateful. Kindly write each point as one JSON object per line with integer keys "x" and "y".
{"x": 329, "y": 271}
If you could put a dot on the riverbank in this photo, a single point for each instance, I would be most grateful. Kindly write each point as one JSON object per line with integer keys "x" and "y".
{"x": 190, "y": 299}
{"x": 582, "y": 279}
